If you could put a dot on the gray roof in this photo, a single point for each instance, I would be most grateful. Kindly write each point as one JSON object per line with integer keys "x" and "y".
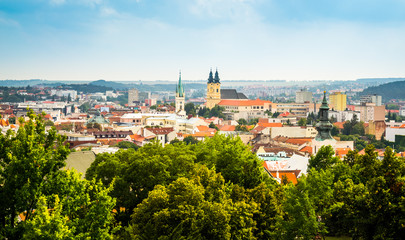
{"x": 232, "y": 94}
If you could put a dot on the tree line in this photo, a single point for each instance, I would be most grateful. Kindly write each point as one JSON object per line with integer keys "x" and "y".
{"x": 215, "y": 189}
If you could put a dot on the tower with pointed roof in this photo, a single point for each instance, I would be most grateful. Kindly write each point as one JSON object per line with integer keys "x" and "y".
{"x": 213, "y": 90}
{"x": 180, "y": 98}
{"x": 323, "y": 126}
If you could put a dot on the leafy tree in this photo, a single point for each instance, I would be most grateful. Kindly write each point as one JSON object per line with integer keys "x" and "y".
{"x": 392, "y": 107}
{"x": 126, "y": 145}
{"x": 334, "y": 131}
{"x": 190, "y": 140}
{"x": 154, "y": 107}
{"x": 300, "y": 219}
{"x": 137, "y": 172}
{"x": 241, "y": 128}
{"x": 233, "y": 159}
{"x": 276, "y": 114}
{"x": 46, "y": 224}
{"x": 84, "y": 209}
{"x": 85, "y": 107}
{"x": 41, "y": 155}
{"x": 323, "y": 159}
{"x": 302, "y": 122}
{"x": 253, "y": 121}
{"x": 194, "y": 208}
{"x": 190, "y": 109}
{"x": 49, "y": 123}
{"x": 212, "y": 125}
{"x": 81, "y": 208}
{"x": 174, "y": 141}
{"x": 12, "y": 120}
{"x": 242, "y": 121}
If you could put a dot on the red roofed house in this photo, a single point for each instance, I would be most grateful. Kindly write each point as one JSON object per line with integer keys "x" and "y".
{"x": 163, "y": 135}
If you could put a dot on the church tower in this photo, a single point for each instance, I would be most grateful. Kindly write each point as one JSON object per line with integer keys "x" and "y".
{"x": 180, "y": 98}
{"x": 323, "y": 126}
{"x": 213, "y": 90}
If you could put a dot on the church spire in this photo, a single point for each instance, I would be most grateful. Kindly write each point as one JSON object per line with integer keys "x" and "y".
{"x": 210, "y": 78}
{"x": 179, "y": 87}
{"x": 216, "y": 79}
{"x": 323, "y": 126}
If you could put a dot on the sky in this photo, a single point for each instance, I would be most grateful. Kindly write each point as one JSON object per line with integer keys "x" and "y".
{"x": 245, "y": 39}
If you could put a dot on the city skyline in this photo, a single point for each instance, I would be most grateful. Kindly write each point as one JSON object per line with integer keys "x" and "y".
{"x": 245, "y": 39}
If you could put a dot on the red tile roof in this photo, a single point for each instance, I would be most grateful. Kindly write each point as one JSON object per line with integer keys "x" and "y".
{"x": 341, "y": 152}
{"x": 202, "y": 128}
{"x": 339, "y": 124}
{"x": 137, "y": 138}
{"x": 161, "y": 131}
{"x": 286, "y": 114}
{"x": 256, "y": 102}
{"x": 261, "y": 124}
{"x": 306, "y": 149}
{"x": 228, "y": 128}
{"x": 298, "y": 141}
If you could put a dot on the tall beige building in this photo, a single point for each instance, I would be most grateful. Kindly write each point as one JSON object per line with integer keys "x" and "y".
{"x": 133, "y": 96}
{"x": 303, "y": 96}
{"x": 338, "y": 101}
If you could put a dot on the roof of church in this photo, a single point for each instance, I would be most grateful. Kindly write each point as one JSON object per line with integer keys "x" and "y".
{"x": 232, "y": 94}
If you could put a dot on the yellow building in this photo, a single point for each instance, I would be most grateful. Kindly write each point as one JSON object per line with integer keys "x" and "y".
{"x": 215, "y": 94}
{"x": 338, "y": 101}
{"x": 213, "y": 90}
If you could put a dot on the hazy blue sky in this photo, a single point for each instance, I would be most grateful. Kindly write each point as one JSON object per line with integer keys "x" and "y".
{"x": 245, "y": 39}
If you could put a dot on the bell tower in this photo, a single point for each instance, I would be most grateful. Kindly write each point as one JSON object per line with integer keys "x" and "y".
{"x": 213, "y": 90}
{"x": 180, "y": 98}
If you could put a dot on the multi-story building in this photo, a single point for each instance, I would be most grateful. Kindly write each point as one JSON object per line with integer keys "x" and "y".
{"x": 376, "y": 99}
{"x": 337, "y": 101}
{"x": 298, "y": 109}
{"x": 342, "y": 116}
{"x": 303, "y": 96}
{"x": 370, "y": 112}
{"x": 133, "y": 97}
{"x": 247, "y": 109}
{"x": 64, "y": 93}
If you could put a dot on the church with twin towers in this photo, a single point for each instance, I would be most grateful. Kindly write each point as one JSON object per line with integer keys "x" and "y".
{"x": 214, "y": 93}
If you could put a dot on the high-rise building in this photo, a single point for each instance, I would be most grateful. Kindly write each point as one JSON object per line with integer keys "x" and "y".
{"x": 180, "y": 98}
{"x": 338, "y": 101}
{"x": 303, "y": 96}
{"x": 133, "y": 97}
{"x": 374, "y": 98}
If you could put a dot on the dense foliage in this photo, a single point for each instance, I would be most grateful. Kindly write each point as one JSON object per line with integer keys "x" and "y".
{"x": 388, "y": 91}
{"x": 32, "y": 184}
{"x": 215, "y": 189}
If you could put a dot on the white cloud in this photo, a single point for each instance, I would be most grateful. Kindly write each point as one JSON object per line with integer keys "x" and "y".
{"x": 108, "y": 11}
{"x": 57, "y": 2}
{"x": 239, "y": 10}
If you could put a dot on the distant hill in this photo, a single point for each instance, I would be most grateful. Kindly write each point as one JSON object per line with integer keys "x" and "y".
{"x": 379, "y": 80}
{"x": 22, "y": 83}
{"x": 388, "y": 91}
{"x": 110, "y": 84}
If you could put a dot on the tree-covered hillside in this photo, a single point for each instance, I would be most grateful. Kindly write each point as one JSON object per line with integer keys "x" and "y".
{"x": 388, "y": 91}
